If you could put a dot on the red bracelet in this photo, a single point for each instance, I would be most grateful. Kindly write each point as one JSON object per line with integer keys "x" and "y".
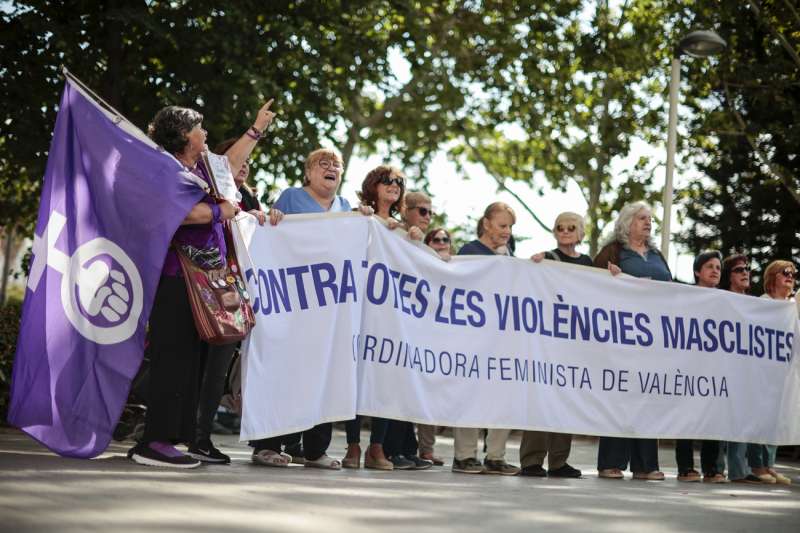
{"x": 253, "y": 133}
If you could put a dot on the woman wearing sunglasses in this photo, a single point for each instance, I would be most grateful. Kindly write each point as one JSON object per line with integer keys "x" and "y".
{"x": 779, "y": 281}
{"x": 383, "y": 190}
{"x": 569, "y": 232}
{"x": 417, "y": 211}
{"x": 735, "y": 277}
{"x": 439, "y": 240}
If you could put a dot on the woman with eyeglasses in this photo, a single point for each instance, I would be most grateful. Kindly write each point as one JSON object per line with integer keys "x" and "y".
{"x": 536, "y": 445}
{"x": 631, "y": 250}
{"x": 323, "y": 174}
{"x": 494, "y": 232}
{"x": 779, "y": 282}
{"x": 707, "y": 270}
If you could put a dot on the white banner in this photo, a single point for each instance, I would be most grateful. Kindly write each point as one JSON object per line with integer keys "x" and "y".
{"x": 352, "y": 318}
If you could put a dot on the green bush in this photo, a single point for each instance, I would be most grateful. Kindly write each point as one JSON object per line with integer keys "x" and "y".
{"x": 9, "y": 330}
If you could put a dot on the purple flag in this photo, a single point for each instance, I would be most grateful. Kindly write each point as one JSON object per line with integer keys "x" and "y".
{"x": 110, "y": 205}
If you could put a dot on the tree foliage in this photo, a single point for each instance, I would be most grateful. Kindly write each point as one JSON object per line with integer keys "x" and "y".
{"x": 745, "y": 136}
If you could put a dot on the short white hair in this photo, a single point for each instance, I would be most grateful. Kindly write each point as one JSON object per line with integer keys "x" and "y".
{"x": 568, "y": 217}
{"x": 622, "y": 227}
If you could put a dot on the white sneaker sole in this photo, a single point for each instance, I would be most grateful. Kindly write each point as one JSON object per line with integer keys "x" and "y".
{"x": 152, "y": 462}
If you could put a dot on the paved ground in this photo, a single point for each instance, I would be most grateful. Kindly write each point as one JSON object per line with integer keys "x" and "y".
{"x": 42, "y": 492}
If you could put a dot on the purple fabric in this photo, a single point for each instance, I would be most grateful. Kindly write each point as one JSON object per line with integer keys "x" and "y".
{"x": 204, "y": 236}
{"x": 110, "y": 205}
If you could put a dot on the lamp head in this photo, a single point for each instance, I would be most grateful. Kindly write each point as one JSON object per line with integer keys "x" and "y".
{"x": 703, "y": 43}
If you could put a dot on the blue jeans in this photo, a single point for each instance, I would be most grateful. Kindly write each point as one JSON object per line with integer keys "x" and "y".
{"x": 377, "y": 435}
{"x": 761, "y": 455}
{"x": 737, "y": 460}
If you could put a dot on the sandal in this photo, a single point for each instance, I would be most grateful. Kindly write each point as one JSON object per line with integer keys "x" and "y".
{"x": 611, "y": 473}
{"x": 655, "y": 475}
{"x": 715, "y": 478}
{"x": 324, "y": 462}
{"x": 689, "y": 476}
{"x": 271, "y": 458}
{"x": 437, "y": 461}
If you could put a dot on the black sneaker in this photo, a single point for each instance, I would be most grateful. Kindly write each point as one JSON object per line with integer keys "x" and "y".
{"x": 401, "y": 463}
{"x": 468, "y": 466}
{"x": 161, "y": 454}
{"x": 564, "y": 471}
{"x": 533, "y": 471}
{"x": 419, "y": 463}
{"x": 206, "y": 452}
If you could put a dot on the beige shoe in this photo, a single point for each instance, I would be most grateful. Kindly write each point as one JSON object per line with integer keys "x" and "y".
{"x": 716, "y": 478}
{"x": 376, "y": 463}
{"x": 352, "y": 459}
{"x": 766, "y": 478}
{"x": 781, "y": 479}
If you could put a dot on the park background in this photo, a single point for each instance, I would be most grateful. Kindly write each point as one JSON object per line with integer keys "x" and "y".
{"x": 548, "y": 105}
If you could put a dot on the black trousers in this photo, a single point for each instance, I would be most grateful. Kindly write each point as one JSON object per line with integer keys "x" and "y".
{"x": 212, "y": 386}
{"x": 684, "y": 455}
{"x": 615, "y": 452}
{"x": 400, "y": 439}
{"x": 176, "y": 355}
{"x": 315, "y": 442}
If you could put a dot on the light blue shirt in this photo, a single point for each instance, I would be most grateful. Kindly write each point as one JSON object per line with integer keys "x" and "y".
{"x": 296, "y": 201}
{"x": 650, "y": 266}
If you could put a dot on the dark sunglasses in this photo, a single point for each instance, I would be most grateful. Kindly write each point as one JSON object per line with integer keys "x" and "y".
{"x": 423, "y": 211}
{"x": 789, "y": 273}
{"x": 740, "y": 270}
{"x": 570, "y": 228}
{"x": 441, "y": 240}
{"x": 386, "y": 180}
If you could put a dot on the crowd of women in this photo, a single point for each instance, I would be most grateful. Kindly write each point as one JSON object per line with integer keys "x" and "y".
{"x": 187, "y": 375}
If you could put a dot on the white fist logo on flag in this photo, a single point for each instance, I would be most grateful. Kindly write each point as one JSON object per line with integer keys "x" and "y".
{"x": 96, "y": 297}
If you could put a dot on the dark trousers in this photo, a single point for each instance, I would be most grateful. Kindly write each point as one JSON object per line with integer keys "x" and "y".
{"x": 615, "y": 452}
{"x": 684, "y": 455}
{"x": 217, "y": 361}
{"x": 175, "y": 365}
{"x": 315, "y": 441}
{"x": 400, "y": 439}
{"x": 377, "y": 432}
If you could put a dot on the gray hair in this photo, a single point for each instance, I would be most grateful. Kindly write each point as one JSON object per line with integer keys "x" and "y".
{"x": 622, "y": 227}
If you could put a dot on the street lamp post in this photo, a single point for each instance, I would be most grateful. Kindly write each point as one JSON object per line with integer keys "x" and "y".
{"x": 695, "y": 44}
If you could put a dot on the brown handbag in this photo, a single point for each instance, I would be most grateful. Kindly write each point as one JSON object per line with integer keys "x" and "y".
{"x": 218, "y": 297}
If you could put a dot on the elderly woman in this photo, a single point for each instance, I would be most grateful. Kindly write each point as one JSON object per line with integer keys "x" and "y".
{"x": 218, "y": 358}
{"x": 417, "y": 211}
{"x": 494, "y": 232}
{"x": 176, "y": 351}
{"x": 569, "y": 232}
{"x": 779, "y": 281}
{"x": 323, "y": 174}
{"x": 633, "y": 252}
{"x": 707, "y": 270}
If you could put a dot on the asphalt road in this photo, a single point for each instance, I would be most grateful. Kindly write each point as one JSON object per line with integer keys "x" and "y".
{"x": 40, "y": 491}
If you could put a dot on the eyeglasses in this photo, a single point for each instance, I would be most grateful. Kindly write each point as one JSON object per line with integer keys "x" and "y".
{"x": 386, "y": 180}
{"x": 569, "y": 228}
{"x": 328, "y": 164}
{"x": 789, "y": 273}
{"x": 441, "y": 240}
{"x": 423, "y": 211}
{"x": 740, "y": 270}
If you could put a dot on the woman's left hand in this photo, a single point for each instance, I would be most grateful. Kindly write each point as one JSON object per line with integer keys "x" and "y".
{"x": 366, "y": 210}
{"x": 415, "y": 234}
{"x": 260, "y": 215}
{"x": 264, "y": 117}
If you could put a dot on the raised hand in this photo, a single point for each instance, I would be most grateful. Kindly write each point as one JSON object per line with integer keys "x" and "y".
{"x": 97, "y": 297}
{"x": 264, "y": 117}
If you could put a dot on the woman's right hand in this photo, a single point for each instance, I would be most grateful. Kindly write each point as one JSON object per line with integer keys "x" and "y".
{"x": 275, "y": 216}
{"x": 537, "y": 258}
{"x": 392, "y": 224}
{"x": 614, "y": 269}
